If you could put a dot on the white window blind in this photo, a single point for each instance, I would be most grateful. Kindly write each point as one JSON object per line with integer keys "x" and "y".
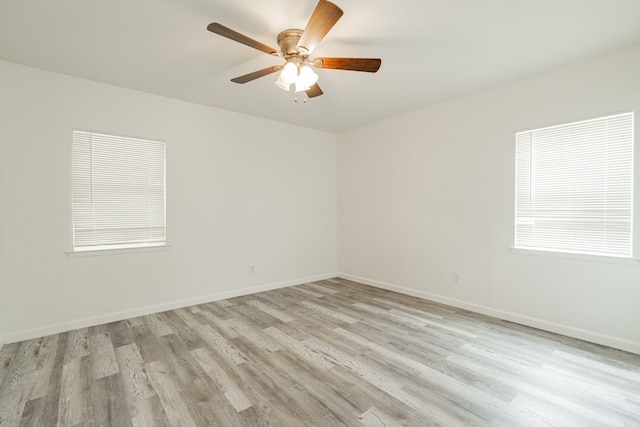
{"x": 574, "y": 187}
{"x": 118, "y": 190}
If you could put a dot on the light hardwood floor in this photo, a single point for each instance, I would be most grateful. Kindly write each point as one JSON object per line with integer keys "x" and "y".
{"x": 329, "y": 353}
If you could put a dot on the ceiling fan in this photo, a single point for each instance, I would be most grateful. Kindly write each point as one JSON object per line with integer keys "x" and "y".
{"x": 295, "y": 47}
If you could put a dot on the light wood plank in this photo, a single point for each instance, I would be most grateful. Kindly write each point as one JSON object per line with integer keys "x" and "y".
{"x": 172, "y": 400}
{"x": 110, "y": 407}
{"x": 44, "y": 366}
{"x": 341, "y": 317}
{"x": 221, "y": 345}
{"x": 77, "y": 344}
{"x": 75, "y": 393}
{"x": 231, "y": 390}
{"x": 42, "y": 408}
{"x": 134, "y": 377}
{"x": 278, "y": 314}
{"x": 157, "y": 325}
{"x": 373, "y": 417}
{"x": 303, "y": 351}
{"x": 7, "y": 354}
{"x": 17, "y": 383}
{"x": 241, "y": 328}
{"x": 104, "y": 361}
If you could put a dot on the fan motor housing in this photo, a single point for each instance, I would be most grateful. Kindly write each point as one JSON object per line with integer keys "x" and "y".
{"x": 288, "y": 41}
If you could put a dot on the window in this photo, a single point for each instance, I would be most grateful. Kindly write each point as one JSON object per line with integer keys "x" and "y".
{"x": 118, "y": 191}
{"x": 574, "y": 187}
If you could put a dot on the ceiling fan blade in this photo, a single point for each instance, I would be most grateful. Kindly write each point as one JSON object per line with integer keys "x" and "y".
{"x": 314, "y": 91}
{"x": 256, "y": 74}
{"x": 369, "y": 65}
{"x": 324, "y": 17}
{"x": 220, "y": 29}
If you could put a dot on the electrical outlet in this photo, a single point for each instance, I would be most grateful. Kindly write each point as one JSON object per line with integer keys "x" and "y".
{"x": 253, "y": 268}
{"x": 455, "y": 278}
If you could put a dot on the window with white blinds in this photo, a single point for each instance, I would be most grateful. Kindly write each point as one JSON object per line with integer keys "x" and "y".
{"x": 574, "y": 187}
{"x": 118, "y": 191}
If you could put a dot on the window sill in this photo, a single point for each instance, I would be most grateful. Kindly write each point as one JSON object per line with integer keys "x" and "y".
{"x": 578, "y": 257}
{"x": 117, "y": 251}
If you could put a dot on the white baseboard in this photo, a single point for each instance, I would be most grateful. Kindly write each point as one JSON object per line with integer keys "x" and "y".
{"x": 583, "y": 334}
{"x": 142, "y": 311}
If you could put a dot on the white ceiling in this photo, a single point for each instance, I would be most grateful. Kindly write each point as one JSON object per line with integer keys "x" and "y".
{"x": 431, "y": 50}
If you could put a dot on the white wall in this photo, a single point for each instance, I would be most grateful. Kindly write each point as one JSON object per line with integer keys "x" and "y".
{"x": 3, "y": 225}
{"x": 240, "y": 191}
{"x": 429, "y": 193}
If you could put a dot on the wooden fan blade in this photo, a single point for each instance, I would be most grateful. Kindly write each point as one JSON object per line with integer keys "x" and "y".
{"x": 314, "y": 91}
{"x": 324, "y": 17}
{"x": 369, "y": 65}
{"x": 256, "y": 74}
{"x": 220, "y": 29}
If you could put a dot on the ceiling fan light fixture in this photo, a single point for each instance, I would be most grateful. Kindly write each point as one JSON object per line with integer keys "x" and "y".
{"x": 295, "y": 47}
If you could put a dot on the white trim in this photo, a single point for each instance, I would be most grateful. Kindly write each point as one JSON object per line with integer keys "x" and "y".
{"x": 142, "y": 311}
{"x": 583, "y": 334}
{"x": 118, "y": 251}
{"x": 578, "y": 257}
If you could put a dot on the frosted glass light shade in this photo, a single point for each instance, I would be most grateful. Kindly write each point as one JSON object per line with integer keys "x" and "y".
{"x": 308, "y": 76}
{"x": 281, "y": 84}
{"x": 289, "y": 73}
{"x": 300, "y": 86}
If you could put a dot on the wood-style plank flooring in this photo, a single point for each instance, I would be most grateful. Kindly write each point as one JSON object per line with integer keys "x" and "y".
{"x": 329, "y": 353}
